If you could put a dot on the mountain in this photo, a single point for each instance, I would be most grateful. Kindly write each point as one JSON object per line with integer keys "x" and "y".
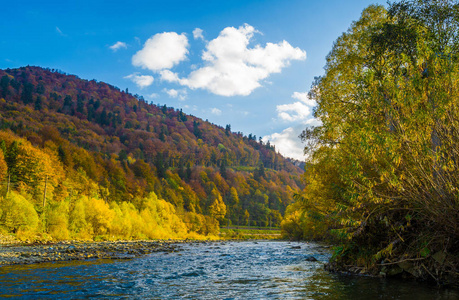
{"x": 116, "y": 147}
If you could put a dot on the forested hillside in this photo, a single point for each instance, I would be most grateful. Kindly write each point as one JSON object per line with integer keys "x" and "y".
{"x": 383, "y": 174}
{"x": 72, "y": 146}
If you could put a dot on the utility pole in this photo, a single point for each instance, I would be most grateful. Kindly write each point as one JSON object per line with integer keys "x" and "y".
{"x": 8, "y": 186}
{"x": 44, "y": 194}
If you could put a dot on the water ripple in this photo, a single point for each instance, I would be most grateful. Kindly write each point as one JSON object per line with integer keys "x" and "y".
{"x": 221, "y": 270}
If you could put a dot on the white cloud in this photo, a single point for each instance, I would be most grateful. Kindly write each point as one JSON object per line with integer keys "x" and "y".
{"x": 234, "y": 69}
{"x": 287, "y": 142}
{"x": 141, "y": 80}
{"x": 299, "y": 111}
{"x": 162, "y": 51}
{"x": 293, "y": 112}
{"x": 118, "y": 45}
{"x": 173, "y": 93}
{"x": 168, "y": 75}
{"x": 299, "y": 114}
{"x": 182, "y": 95}
{"x": 153, "y": 96}
{"x": 304, "y": 98}
{"x": 197, "y": 34}
{"x": 216, "y": 111}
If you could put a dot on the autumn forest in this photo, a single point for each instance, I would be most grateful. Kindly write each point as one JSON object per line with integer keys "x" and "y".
{"x": 84, "y": 160}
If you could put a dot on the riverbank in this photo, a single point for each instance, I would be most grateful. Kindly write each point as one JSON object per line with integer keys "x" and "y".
{"x": 438, "y": 269}
{"x": 15, "y": 253}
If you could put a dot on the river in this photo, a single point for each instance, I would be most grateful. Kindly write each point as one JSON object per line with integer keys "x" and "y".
{"x": 217, "y": 270}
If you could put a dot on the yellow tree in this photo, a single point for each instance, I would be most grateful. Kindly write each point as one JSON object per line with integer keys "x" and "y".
{"x": 217, "y": 209}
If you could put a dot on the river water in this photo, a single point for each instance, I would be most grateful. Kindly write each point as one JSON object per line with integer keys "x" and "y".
{"x": 220, "y": 270}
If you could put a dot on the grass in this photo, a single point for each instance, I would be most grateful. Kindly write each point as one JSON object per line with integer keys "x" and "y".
{"x": 251, "y": 234}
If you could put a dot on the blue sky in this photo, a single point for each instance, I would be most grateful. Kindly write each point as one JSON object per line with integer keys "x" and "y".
{"x": 244, "y": 63}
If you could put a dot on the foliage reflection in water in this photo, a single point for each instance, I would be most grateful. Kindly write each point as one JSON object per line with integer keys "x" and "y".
{"x": 222, "y": 270}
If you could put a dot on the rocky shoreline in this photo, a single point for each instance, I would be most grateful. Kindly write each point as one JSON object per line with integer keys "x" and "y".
{"x": 435, "y": 269}
{"x": 13, "y": 254}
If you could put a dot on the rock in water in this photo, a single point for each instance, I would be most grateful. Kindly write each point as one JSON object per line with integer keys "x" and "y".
{"x": 311, "y": 258}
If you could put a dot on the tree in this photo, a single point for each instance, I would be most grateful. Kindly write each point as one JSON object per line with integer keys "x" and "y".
{"x": 228, "y": 129}
{"x": 122, "y": 155}
{"x": 64, "y": 156}
{"x": 40, "y": 89}
{"x": 18, "y": 214}
{"x": 3, "y": 166}
{"x": 188, "y": 172}
{"x": 26, "y": 95}
{"x": 181, "y": 171}
{"x": 58, "y": 220}
{"x": 80, "y": 104}
{"x": 38, "y": 103}
{"x": 218, "y": 208}
{"x": 11, "y": 159}
{"x": 100, "y": 216}
{"x": 246, "y": 217}
{"x": 234, "y": 197}
{"x": 4, "y": 84}
{"x": 259, "y": 171}
{"x": 196, "y": 131}
{"x": 384, "y": 153}
{"x": 160, "y": 165}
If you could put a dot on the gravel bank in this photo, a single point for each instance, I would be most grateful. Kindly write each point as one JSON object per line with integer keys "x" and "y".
{"x": 12, "y": 254}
